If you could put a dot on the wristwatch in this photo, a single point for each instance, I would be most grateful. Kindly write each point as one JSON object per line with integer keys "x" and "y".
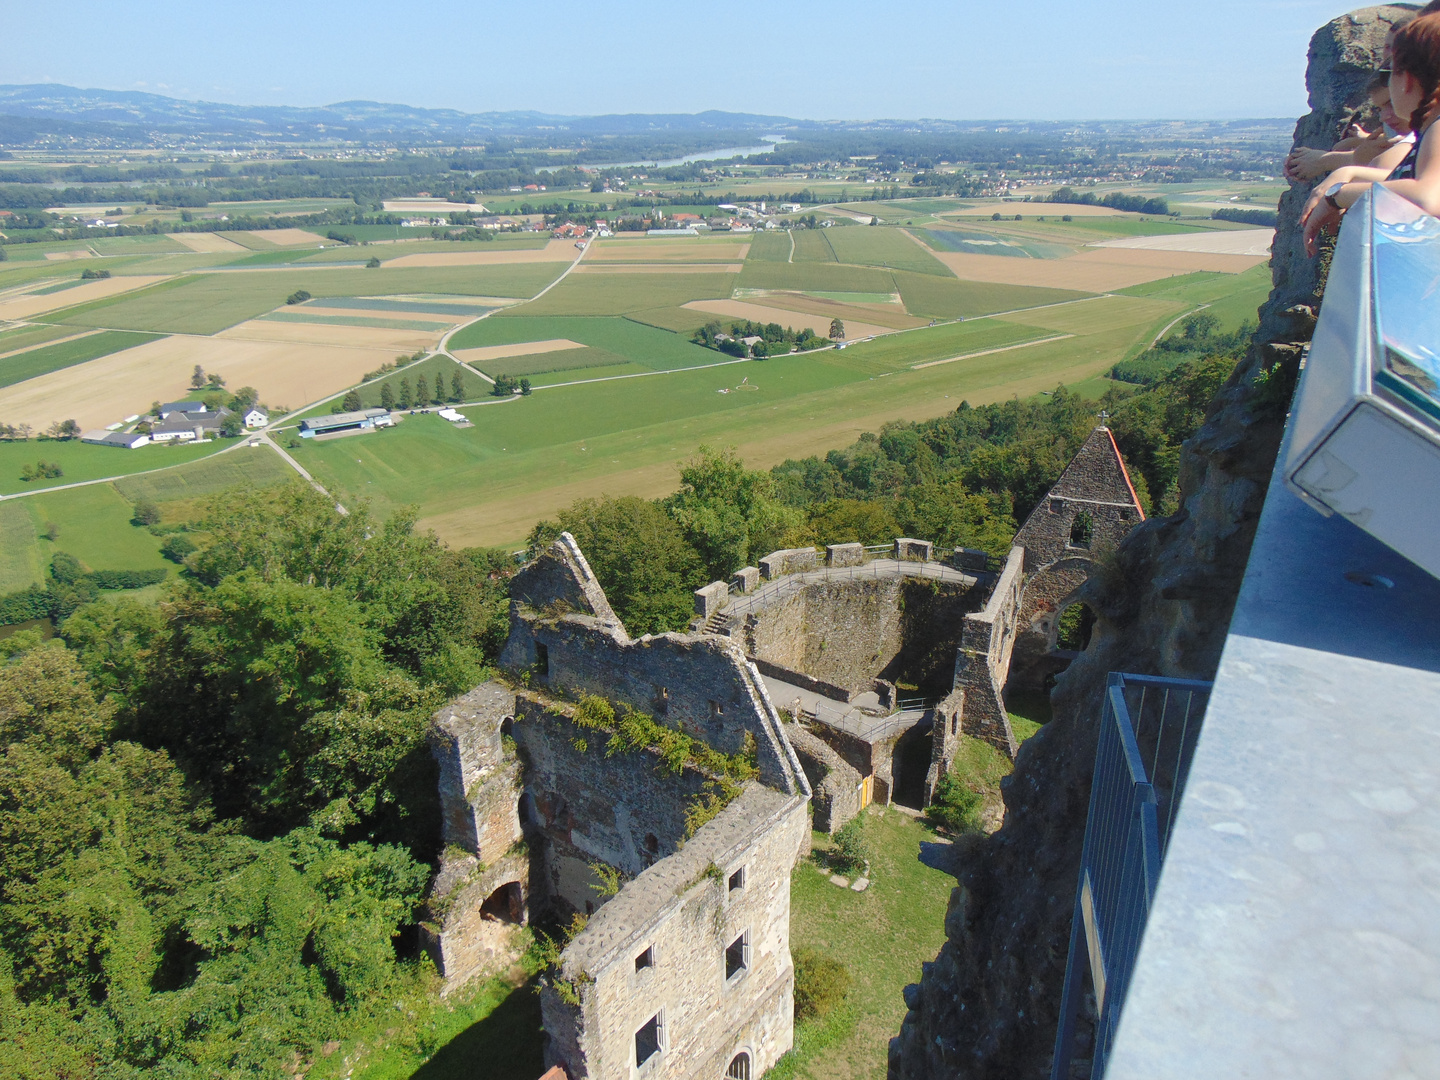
{"x": 1331, "y": 192}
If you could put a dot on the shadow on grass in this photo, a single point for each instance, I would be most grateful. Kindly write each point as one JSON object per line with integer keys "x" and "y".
{"x": 506, "y": 1045}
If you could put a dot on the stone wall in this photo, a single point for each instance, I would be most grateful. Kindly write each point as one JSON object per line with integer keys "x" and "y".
{"x": 986, "y": 1008}
{"x": 681, "y": 915}
{"x": 848, "y": 633}
{"x": 834, "y": 783}
{"x": 788, "y": 561}
{"x": 479, "y": 778}
{"x": 697, "y": 683}
{"x": 465, "y": 935}
{"x": 983, "y": 662}
{"x": 627, "y": 812}
{"x": 945, "y": 735}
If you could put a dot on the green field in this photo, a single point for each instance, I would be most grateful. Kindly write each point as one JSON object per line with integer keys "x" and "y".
{"x": 1233, "y": 298}
{"x": 81, "y": 461}
{"x": 353, "y": 320}
{"x": 24, "y": 337}
{"x": 208, "y": 303}
{"x": 27, "y": 365}
{"x": 259, "y": 467}
{"x": 888, "y": 248}
{"x": 149, "y": 244}
{"x": 770, "y": 247}
{"x": 974, "y": 242}
{"x": 948, "y": 298}
{"x": 811, "y": 246}
{"x": 489, "y": 483}
{"x": 621, "y": 341}
{"x": 92, "y": 523}
{"x": 617, "y": 294}
{"x": 815, "y": 277}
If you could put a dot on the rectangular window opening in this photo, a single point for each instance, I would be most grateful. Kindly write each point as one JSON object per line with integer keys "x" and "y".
{"x": 647, "y": 1040}
{"x": 737, "y": 880}
{"x": 737, "y": 956}
{"x": 646, "y": 959}
{"x": 542, "y": 659}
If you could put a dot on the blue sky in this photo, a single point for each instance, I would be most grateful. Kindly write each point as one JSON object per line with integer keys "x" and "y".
{"x": 835, "y": 60}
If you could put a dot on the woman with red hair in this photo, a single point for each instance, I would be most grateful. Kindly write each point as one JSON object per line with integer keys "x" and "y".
{"x": 1414, "y": 93}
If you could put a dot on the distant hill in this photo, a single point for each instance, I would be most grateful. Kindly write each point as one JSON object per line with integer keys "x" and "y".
{"x": 40, "y": 112}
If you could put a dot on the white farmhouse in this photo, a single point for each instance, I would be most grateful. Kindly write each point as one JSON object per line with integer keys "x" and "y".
{"x": 256, "y": 418}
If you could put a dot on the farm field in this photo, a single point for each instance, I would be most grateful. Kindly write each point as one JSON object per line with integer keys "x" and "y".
{"x": 666, "y": 249}
{"x": 888, "y": 248}
{"x": 103, "y": 391}
{"x": 41, "y": 361}
{"x": 27, "y": 337}
{"x": 724, "y": 310}
{"x": 40, "y": 303}
{"x": 602, "y": 340}
{"x": 82, "y": 462}
{"x": 619, "y": 294}
{"x": 525, "y": 459}
{"x": 206, "y": 242}
{"x": 207, "y": 303}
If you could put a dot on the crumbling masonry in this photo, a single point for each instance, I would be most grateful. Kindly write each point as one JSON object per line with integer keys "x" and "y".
{"x": 685, "y": 970}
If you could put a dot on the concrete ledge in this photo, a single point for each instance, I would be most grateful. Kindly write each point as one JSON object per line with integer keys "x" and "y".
{"x": 711, "y": 598}
{"x": 745, "y": 579}
{"x": 787, "y": 561}
{"x": 910, "y": 550}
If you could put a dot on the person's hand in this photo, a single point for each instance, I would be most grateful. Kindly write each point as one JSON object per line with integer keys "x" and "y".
{"x": 1305, "y": 163}
{"x": 1355, "y": 131}
{"x": 1317, "y": 218}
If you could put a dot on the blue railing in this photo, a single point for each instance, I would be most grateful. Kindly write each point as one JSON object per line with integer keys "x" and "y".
{"x": 1132, "y": 807}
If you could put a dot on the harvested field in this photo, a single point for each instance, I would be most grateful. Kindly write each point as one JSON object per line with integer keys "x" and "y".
{"x": 658, "y": 268}
{"x": 430, "y": 206}
{"x": 80, "y": 253}
{"x": 666, "y": 250}
{"x": 1096, "y": 270}
{"x": 206, "y": 242}
{"x": 479, "y": 356}
{"x": 554, "y": 251}
{"x": 820, "y": 324}
{"x": 891, "y": 315}
{"x": 1253, "y": 243}
{"x": 357, "y": 337}
{"x": 102, "y": 391}
{"x": 22, "y": 307}
{"x": 284, "y": 237}
{"x": 371, "y": 321}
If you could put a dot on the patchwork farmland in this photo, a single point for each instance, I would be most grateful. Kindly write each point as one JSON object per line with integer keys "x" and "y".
{"x": 958, "y": 308}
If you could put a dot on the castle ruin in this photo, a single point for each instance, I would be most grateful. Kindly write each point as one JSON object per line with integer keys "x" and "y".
{"x": 662, "y": 787}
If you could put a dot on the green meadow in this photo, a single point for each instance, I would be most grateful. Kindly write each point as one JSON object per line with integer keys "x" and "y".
{"x": 621, "y": 341}
{"x": 83, "y": 462}
{"x": 620, "y": 293}
{"x": 208, "y": 303}
{"x": 488, "y": 483}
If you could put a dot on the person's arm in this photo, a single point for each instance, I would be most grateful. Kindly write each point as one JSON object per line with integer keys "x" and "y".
{"x": 1306, "y": 163}
{"x": 1424, "y": 190}
{"x": 1372, "y": 148}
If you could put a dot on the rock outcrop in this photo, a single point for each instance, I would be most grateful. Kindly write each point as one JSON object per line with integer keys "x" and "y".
{"x": 987, "y": 1006}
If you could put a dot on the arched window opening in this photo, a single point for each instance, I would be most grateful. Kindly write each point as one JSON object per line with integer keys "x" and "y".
{"x": 506, "y": 904}
{"x": 739, "y": 1068}
{"x": 1073, "y": 628}
{"x": 1082, "y": 530}
{"x": 507, "y": 725}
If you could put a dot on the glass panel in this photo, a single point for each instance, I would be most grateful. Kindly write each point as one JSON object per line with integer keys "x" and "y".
{"x": 1406, "y": 258}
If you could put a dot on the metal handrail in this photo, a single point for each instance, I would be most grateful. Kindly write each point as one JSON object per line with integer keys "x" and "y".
{"x": 1126, "y": 835}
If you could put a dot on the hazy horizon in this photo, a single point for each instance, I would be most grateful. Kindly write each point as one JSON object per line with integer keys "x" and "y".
{"x": 1078, "y": 61}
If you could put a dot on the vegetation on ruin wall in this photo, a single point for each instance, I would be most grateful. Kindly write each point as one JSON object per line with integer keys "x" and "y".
{"x": 218, "y": 810}
{"x": 630, "y": 732}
